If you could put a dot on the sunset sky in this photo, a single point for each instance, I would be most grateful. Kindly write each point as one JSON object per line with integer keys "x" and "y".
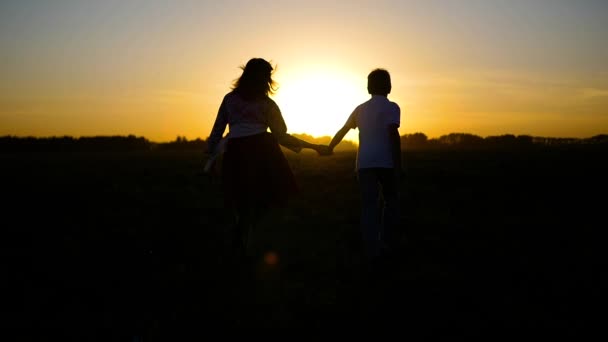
{"x": 159, "y": 69}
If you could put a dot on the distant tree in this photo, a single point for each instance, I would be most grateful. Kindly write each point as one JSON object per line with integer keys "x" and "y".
{"x": 182, "y": 143}
{"x": 414, "y": 141}
{"x": 508, "y": 141}
{"x": 598, "y": 139}
{"x": 465, "y": 140}
{"x": 524, "y": 140}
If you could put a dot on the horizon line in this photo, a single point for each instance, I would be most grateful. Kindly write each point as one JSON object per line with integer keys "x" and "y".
{"x": 313, "y": 136}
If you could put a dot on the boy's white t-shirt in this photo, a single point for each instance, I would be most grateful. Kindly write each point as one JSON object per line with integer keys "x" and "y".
{"x": 372, "y": 118}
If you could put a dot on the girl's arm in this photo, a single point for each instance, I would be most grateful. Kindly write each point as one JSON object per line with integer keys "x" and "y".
{"x": 219, "y": 127}
{"x": 279, "y": 129}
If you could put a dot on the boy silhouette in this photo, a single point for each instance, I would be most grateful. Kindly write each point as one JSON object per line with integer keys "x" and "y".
{"x": 378, "y": 164}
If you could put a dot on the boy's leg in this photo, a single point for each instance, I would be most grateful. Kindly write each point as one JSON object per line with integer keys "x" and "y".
{"x": 370, "y": 225}
{"x": 390, "y": 231}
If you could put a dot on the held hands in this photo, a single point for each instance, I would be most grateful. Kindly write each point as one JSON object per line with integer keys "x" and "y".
{"x": 323, "y": 150}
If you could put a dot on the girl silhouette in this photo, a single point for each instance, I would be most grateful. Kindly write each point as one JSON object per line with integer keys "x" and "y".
{"x": 255, "y": 174}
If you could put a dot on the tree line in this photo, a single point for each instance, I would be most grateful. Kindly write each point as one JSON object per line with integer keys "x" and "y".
{"x": 414, "y": 141}
{"x": 419, "y": 141}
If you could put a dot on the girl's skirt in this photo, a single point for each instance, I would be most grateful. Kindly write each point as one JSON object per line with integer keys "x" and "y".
{"x": 255, "y": 172}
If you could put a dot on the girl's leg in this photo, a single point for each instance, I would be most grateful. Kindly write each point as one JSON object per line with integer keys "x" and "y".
{"x": 248, "y": 217}
{"x": 242, "y": 229}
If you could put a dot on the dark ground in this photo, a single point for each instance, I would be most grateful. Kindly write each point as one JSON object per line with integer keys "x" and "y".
{"x": 132, "y": 246}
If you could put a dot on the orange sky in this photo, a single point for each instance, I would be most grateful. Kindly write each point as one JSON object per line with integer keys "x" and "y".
{"x": 160, "y": 69}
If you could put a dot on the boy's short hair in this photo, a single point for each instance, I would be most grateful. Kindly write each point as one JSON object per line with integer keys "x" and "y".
{"x": 379, "y": 82}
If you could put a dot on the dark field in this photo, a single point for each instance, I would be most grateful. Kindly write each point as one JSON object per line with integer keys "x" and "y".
{"x": 133, "y": 245}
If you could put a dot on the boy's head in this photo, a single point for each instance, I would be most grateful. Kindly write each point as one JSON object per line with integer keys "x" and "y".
{"x": 379, "y": 82}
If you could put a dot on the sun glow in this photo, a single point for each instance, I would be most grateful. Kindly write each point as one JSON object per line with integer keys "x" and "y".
{"x": 319, "y": 103}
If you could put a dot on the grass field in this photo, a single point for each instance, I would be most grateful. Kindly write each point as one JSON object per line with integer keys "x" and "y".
{"x": 134, "y": 245}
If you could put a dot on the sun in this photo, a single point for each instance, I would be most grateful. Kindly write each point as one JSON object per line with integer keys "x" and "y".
{"x": 319, "y": 103}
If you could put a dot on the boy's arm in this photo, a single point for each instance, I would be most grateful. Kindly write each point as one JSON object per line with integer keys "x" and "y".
{"x": 395, "y": 142}
{"x": 338, "y": 137}
{"x": 350, "y": 124}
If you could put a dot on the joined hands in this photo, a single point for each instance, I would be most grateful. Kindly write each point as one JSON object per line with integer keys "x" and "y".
{"x": 323, "y": 150}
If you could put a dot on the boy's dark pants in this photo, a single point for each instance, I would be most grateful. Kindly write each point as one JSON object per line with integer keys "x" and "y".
{"x": 379, "y": 215}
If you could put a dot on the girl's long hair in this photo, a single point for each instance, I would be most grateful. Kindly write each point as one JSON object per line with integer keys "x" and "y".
{"x": 256, "y": 80}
